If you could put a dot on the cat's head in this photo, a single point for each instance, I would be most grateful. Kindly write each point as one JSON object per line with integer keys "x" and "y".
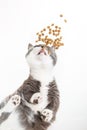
{"x": 40, "y": 56}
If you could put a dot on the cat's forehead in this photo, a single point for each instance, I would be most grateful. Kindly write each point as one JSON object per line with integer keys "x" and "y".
{"x": 42, "y": 45}
{"x": 30, "y": 46}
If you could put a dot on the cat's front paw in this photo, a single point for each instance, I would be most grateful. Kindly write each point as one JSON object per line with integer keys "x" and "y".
{"x": 47, "y": 115}
{"x": 36, "y": 98}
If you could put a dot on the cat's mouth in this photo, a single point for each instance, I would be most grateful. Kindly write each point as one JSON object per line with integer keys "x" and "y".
{"x": 42, "y": 51}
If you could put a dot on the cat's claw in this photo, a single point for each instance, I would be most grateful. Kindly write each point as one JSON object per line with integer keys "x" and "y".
{"x": 46, "y": 115}
{"x": 36, "y": 98}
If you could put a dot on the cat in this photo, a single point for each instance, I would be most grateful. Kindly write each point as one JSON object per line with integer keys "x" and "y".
{"x": 33, "y": 106}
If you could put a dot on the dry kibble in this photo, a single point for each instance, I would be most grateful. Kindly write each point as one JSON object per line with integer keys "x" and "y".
{"x": 42, "y": 34}
{"x": 37, "y": 33}
{"x": 36, "y": 41}
{"x": 49, "y": 32}
{"x": 61, "y": 15}
{"x": 46, "y": 32}
{"x": 42, "y": 39}
{"x": 48, "y": 27}
{"x": 44, "y": 29}
{"x": 65, "y": 20}
{"x": 56, "y": 26}
{"x": 41, "y": 31}
{"x": 46, "y": 36}
{"x": 51, "y": 35}
{"x": 56, "y": 33}
{"x": 60, "y": 28}
{"x": 60, "y": 37}
{"x": 52, "y": 24}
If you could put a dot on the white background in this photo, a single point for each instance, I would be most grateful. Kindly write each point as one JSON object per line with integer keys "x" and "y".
{"x": 19, "y": 22}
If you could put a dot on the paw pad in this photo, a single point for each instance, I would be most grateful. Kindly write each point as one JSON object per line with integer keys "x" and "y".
{"x": 46, "y": 115}
{"x": 16, "y": 100}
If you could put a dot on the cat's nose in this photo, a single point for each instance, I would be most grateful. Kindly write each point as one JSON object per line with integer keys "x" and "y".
{"x": 43, "y": 47}
{"x": 42, "y": 51}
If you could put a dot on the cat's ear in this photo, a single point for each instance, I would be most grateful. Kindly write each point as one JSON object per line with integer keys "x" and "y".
{"x": 30, "y": 46}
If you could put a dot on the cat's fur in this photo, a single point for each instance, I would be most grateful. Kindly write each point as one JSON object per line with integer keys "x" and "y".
{"x": 34, "y": 105}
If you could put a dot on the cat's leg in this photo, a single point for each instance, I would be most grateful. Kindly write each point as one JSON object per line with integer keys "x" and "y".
{"x": 12, "y": 103}
{"x": 46, "y": 115}
{"x": 39, "y": 128}
{"x": 3, "y": 103}
{"x": 40, "y": 125}
{"x": 7, "y": 106}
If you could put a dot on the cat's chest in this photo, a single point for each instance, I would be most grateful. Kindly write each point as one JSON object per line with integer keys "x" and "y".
{"x": 44, "y": 95}
{"x": 44, "y": 90}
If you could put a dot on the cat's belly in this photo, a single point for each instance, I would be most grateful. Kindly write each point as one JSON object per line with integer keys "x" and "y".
{"x": 12, "y": 123}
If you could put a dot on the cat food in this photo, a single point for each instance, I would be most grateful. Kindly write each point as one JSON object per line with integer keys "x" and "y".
{"x": 65, "y": 20}
{"x": 61, "y": 15}
{"x": 53, "y": 38}
{"x": 51, "y": 35}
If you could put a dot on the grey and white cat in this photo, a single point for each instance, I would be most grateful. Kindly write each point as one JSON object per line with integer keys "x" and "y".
{"x": 34, "y": 105}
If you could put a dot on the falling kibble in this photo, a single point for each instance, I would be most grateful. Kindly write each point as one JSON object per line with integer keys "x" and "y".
{"x": 65, "y": 20}
{"x": 53, "y": 30}
{"x": 51, "y": 35}
{"x": 61, "y": 15}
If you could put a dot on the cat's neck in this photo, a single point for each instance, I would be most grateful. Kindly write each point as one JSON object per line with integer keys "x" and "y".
{"x": 42, "y": 75}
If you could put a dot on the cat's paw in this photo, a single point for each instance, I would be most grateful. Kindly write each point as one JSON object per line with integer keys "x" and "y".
{"x": 36, "y": 98}
{"x": 46, "y": 115}
{"x": 15, "y": 100}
